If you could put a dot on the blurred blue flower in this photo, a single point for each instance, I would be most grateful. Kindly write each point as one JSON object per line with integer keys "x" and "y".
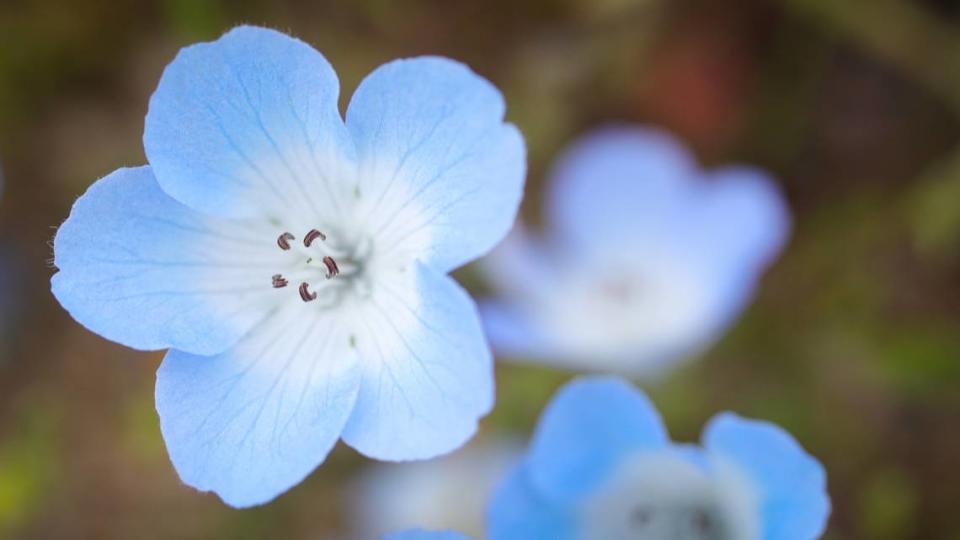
{"x": 646, "y": 258}
{"x": 601, "y": 466}
{"x": 420, "y": 534}
{"x": 11, "y": 301}
{"x": 431, "y": 494}
{"x": 295, "y": 262}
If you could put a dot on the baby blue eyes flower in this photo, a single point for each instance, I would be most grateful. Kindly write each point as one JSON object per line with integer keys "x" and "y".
{"x": 294, "y": 262}
{"x": 601, "y": 466}
{"x": 654, "y": 257}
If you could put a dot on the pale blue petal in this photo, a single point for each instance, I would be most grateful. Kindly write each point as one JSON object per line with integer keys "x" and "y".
{"x": 692, "y": 454}
{"x": 518, "y": 512}
{"x": 641, "y": 186}
{"x": 515, "y": 333}
{"x": 588, "y": 427}
{"x": 248, "y": 125}
{"x": 618, "y": 184}
{"x": 737, "y": 223}
{"x": 523, "y": 272}
{"x": 523, "y": 267}
{"x": 790, "y": 483}
{"x": 141, "y": 269}
{"x": 251, "y": 423}
{"x": 420, "y": 534}
{"x": 441, "y": 173}
{"x": 427, "y": 370}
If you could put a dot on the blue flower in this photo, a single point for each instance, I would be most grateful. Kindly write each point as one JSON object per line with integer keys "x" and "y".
{"x": 655, "y": 257}
{"x": 420, "y": 534}
{"x": 295, "y": 263}
{"x": 601, "y": 466}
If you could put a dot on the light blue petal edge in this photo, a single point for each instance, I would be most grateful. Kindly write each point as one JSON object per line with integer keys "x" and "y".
{"x": 424, "y": 390}
{"x": 421, "y": 534}
{"x": 131, "y": 269}
{"x": 253, "y": 422}
{"x": 790, "y": 483}
{"x": 617, "y": 181}
{"x": 432, "y": 131}
{"x": 588, "y": 427}
{"x": 513, "y": 333}
{"x": 518, "y": 512}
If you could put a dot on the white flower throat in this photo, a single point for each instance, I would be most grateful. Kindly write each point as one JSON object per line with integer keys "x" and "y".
{"x": 327, "y": 270}
{"x": 663, "y": 497}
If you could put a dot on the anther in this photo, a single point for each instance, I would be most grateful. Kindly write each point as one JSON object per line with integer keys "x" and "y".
{"x": 279, "y": 282}
{"x": 313, "y": 235}
{"x": 332, "y": 268}
{"x": 641, "y": 516}
{"x": 305, "y": 294}
{"x": 284, "y": 240}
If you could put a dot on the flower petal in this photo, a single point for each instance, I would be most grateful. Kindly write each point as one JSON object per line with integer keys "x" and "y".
{"x": 248, "y": 125}
{"x": 442, "y": 175}
{"x": 790, "y": 483}
{"x": 588, "y": 427}
{"x": 427, "y": 371}
{"x": 518, "y": 512}
{"x": 254, "y": 421}
{"x": 738, "y": 222}
{"x": 515, "y": 333}
{"x": 420, "y": 534}
{"x": 617, "y": 184}
{"x": 141, "y": 269}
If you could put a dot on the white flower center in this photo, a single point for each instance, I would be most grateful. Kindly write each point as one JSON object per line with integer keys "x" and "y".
{"x": 627, "y": 308}
{"x": 325, "y": 269}
{"x": 660, "y": 496}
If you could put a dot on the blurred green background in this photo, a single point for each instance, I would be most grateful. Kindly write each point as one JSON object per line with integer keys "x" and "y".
{"x": 852, "y": 344}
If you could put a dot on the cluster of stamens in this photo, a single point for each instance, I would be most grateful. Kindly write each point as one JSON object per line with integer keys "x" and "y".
{"x": 700, "y": 521}
{"x": 283, "y": 241}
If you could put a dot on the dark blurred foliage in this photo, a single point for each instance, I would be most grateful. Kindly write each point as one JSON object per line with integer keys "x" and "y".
{"x": 853, "y": 343}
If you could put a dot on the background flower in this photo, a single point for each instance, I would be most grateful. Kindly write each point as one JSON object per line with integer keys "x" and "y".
{"x": 646, "y": 258}
{"x": 601, "y": 465}
{"x": 450, "y": 492}
{"x": 283, "y": 342}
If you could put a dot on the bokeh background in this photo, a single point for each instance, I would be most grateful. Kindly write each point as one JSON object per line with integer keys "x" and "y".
{"x": 852, "y": 344}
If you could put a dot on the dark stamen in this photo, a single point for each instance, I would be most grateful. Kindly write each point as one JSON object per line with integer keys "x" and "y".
{"x": 279, "y": 282}
{"x": 332, "y": 268}
{"x": 313, "y": 235}
{"x": 284, "y": 241}
{"x": 305, "y": 294}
